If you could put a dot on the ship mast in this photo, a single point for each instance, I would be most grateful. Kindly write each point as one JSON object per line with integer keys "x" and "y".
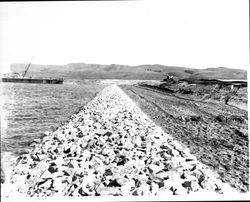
{"x": 26, "y": 70}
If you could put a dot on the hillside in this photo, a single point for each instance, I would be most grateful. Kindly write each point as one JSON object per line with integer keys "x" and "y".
{"x": 115, "y": 71}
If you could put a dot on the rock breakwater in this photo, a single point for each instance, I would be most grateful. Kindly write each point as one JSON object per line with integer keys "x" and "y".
{"x": 110, "y": 148}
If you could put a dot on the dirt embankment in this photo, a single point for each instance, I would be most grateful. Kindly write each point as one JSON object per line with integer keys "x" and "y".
{"x": 216, "y": 132}
{"x": 232, "y": 93}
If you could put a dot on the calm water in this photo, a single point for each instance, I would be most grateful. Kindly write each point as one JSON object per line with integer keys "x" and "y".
{"x": 29, "y": 110}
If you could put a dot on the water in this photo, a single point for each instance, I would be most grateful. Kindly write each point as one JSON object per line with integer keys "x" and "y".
{"x": 29, "y": 110}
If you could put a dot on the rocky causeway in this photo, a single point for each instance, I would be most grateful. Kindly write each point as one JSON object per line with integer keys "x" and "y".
{"x": 110, "y": 148}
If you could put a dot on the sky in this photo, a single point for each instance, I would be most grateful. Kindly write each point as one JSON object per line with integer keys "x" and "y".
{"x": 189, "y": 33}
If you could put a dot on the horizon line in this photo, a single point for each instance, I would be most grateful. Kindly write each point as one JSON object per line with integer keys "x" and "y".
{"x": 143, "y": 64}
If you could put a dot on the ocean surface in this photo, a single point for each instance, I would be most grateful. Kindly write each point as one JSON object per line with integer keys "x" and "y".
{"x": 29, "y": 110}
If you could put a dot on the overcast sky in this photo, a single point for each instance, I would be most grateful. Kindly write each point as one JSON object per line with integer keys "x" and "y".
{"x": 190, "y": 33}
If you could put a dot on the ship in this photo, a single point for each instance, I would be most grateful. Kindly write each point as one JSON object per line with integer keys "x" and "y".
{"x": 22, "y": 78}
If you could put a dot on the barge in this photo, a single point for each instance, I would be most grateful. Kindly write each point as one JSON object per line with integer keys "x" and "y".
{"x": 32, "y": 80}
{"x": 17, "y": 78}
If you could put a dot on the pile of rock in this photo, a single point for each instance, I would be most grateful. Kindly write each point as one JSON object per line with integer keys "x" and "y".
{"x": 110, "y": 148}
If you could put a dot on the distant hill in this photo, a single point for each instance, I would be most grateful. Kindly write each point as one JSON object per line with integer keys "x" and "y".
{"x": 116, "y": 71}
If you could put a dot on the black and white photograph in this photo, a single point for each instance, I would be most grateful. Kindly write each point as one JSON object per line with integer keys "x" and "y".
{"x": 141, "y": 100}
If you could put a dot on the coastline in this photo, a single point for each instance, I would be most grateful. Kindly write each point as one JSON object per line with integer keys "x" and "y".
{"x": 122, "y": 135}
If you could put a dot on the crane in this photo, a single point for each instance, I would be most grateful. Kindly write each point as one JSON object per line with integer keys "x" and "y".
{"x": 26, "y": 69}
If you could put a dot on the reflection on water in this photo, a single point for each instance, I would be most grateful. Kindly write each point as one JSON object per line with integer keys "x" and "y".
{"x": 29, "y": 110}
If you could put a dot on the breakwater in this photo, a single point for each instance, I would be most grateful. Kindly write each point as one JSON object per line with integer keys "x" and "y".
{"x": 110, "y": 148}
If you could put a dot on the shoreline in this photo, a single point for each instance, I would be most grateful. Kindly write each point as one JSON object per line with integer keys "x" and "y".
{"x": 106, "y": 117}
